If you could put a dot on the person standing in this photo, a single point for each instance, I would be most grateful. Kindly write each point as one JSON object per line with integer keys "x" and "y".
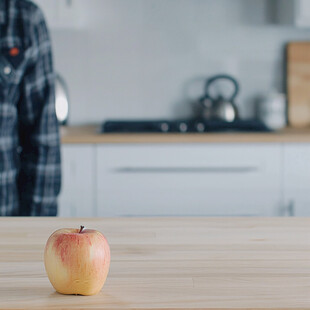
{"x": 30, "y": 173}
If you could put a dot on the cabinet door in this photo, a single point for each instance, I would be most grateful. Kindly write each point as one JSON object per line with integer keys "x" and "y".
{"x": 302, "y": 13}
{"x": 293, "y": 12}
{"x": 214, "y": 179}
{"x": 77, "y": 197}
{"x": 297, "y": 179}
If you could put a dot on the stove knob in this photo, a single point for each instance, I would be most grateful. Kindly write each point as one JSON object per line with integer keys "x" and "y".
{"x": 164, "y": 127}
{"x": 200, "y": 127}
{"x": 183, "y": 127}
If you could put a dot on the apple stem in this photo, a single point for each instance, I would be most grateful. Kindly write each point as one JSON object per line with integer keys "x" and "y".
{"x": 82, "y": 227}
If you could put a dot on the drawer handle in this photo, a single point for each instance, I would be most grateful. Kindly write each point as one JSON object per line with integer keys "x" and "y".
{"x": 244, "y": 169}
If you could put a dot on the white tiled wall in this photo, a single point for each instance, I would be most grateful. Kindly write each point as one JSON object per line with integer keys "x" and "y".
{"x": 147, "y": 58}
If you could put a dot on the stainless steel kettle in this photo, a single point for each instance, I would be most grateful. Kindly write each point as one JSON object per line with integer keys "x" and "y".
{"x": 219, "y": 107}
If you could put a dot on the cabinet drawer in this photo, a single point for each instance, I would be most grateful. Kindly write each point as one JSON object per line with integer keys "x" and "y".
{"x": 77, "y": 197}
{"x": 297, "y": 203}
{"x": 211, "y": 179}
{"x": 297, "y": 167}
{"x": 297, "y": 178}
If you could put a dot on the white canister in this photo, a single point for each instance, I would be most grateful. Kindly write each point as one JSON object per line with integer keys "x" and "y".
{"x": 272, "y": 110}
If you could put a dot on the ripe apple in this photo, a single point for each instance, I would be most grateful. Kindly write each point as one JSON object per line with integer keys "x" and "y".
{"x": 77, "y": 261}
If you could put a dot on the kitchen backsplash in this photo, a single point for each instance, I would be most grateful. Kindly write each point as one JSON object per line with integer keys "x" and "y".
{"x": 148, "y": 58}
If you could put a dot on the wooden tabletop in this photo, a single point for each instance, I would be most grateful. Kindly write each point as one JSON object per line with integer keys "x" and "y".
{"x": 91, "y": 135}
{"x": 168, "y": 263}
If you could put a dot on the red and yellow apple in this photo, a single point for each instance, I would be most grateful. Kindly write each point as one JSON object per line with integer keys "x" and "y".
{"x": 77, "y": 261}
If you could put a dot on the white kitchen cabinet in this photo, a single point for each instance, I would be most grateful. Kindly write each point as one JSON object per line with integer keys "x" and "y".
{"x": 196, "y": 179}
{"x": 78, "y": 196}
{"x": 62, "y": 13}
{"x": 294, "y": 12}
{"x": 296, "y": 179}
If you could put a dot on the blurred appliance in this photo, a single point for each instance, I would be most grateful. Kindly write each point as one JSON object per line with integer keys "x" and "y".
{"x": 298, "y": 83}
{"x": 271, "y": 110}
{"x": 217, "y": 113}
{"x": 61, "y": 100}
{"x": 217, "y": 106}
{"x": 182, "y": 126}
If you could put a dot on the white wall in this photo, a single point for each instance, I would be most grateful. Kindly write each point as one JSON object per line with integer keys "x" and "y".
{"x": 147, "y": 58}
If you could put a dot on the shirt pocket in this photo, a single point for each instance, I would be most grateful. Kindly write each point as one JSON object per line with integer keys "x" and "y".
{"x": 12, "y": 67}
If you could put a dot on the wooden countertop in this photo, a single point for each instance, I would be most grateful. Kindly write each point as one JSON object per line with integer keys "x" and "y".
{"x": 168, "y": 263}
{"x": 90, "y": 135}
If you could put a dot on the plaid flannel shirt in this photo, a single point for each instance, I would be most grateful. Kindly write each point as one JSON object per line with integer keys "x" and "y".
{"x": 29, "y": 136}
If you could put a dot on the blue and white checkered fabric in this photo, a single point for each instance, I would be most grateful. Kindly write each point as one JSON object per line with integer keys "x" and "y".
{"x": 30, "y": 174}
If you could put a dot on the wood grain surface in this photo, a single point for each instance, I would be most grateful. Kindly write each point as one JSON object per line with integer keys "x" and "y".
{"x": 168, "y": 263}
{"x": 298, "y": 83}
{"x": 90, "y": 135}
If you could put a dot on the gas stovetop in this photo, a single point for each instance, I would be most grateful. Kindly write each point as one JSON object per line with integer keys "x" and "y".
{"x": 182, "y": 126}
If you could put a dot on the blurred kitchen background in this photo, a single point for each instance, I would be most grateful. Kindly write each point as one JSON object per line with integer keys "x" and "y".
{"x": 221, "y": 148}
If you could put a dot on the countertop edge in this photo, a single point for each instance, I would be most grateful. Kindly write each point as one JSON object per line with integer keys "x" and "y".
{"x": 90, "y": 135}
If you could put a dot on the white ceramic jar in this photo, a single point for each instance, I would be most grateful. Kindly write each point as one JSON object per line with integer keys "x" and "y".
{"x": 272, "y": 110}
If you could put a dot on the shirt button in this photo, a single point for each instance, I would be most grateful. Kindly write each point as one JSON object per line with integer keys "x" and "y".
{"x": 7, "y": 70}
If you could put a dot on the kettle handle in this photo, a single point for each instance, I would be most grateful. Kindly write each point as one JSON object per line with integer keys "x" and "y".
{"x": 222, "y": 77}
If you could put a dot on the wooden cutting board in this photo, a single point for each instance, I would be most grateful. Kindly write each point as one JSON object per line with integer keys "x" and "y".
{"x": 298, "y": 83}
{"x": 168, "y": 263}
